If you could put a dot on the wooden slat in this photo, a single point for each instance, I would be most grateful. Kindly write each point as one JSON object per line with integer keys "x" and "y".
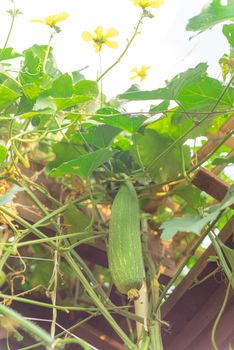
{"x": 211, "y": 184}
{"x": 199, "y": 321}
{"x": 224, "y": 331}
{"x": 183, "y": 287}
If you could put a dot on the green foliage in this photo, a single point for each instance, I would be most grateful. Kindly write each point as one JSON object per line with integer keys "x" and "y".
{"x": 7, "y": 96}
{"x": 84, "y": 165}
{"x": 148, "y": 150}
{"x": 114, "y": 118}
{"x": 3, "y": 153}
{"x": 193, "y": 90}
{"x": 195, "y": 223}
{"x": 8, "y": 54}
{"x": 86, "y": 147}
{"x": 211, "y": 15}
{"x": 228, "y": 31}
{"x": 100, "y": 136}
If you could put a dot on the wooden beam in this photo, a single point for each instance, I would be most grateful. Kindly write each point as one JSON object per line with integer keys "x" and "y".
{"x": 202, "y": 318}
{"x": 224, "y": 334}
{"x": 211, "y": 184}
{"x": 195, "y": 272}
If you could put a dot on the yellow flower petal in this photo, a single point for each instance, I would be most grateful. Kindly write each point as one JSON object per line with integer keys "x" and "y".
{"x": 100, "y": 37}
{"x": 148, "y": 3}
{"x": 111, "y": 44}
{"x": 38, "y": 21}
{"x": 111, "y": 32}
{"x": 86, "y": 36}
{"x": 52, "y": 20}
{"x": 133, "y": 77}
{"x": 156, "y": 3}
{"x": 97, "y": 47}
{"x": 99, "y": 31}
{"x": 140, "y": 73}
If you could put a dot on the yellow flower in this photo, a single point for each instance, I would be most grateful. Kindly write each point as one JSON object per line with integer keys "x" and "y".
{"x": 140, "y": 73}
{"x": 148, "y": 3}
{"x": 52, "y": 20}
{"x": 100, "y": 37}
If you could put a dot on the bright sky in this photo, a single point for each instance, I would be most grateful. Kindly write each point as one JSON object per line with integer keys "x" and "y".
{"x": 163, "y": 44}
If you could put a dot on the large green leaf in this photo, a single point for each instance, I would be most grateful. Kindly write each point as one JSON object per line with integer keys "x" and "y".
{"x": 228, "y": 31}
{"x": 148, "y": 151}
{"x": 61, "y": 87}
{"x": 64, "y": 151}
{"x": 203, "y": 95}
{"x": 124, "y": 122}
{"x": 99, "y": 136}
{"x": 30, "y": 115}
{"x": 195, "y": 223}
{"x": 193, "y": 90}
{"x": 211, "y": 15}
{"x": 32, "y": 67}
{"x": 75, "y": 221}
{"x": 8, "y": 54}
{"x": 62, "y": 103}
{"x": 84, "y": 165}
{"x": 229, "y": 254}
{"x": 7, "y": 96}
{"x": 3, "y": 153}
{"x": 162, "y": 107}
{"x": 173, "y": 88}
{"x": 223, "y": 161}
{"x": 86, "y": 87}
{"x": 31, "y": 91}
{"x": 190, "y": 194}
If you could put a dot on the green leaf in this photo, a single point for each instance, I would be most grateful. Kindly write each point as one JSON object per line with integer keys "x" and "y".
{"x": 63, "y": 103}
{"x": 77, "y": 76}
{"x": 32, "y": 67}
{"x": 7, "y": 96}
{"x": 44, "y": 104}
{"x": 3, "y": 153}
{"x": 64, "y": 151}
{"x": 84, "y": 165}
{"x": 221, "y": 161}
{"x": 228, "y": 31}
{"x": 195, "y": 223}
{"x": 124, "y": 122}
{"x": 148, "y": 149}
{"x": 10, "y": 82}
{"x": 203, "y": 95}
{"x": 41, "y": 273}
{"x": 31, "y": 91}
{"x": 173, "y": 88}
{"x": 229, "y": 254}
{"x": 75, "y": 221}
{"x": 193, "y": 90}
{"x": 8, "y": 197}
{"x": 100, "y": 136}
{"x": 163, "y": 106}
{"x": 211, "y": 15}
{"x": 30, "y": 115}
{"x": 86, "y": 88}
{"x": 8, "y": 54}
{"x": 190, "y": 194}
{"x": 61, "y": 87}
